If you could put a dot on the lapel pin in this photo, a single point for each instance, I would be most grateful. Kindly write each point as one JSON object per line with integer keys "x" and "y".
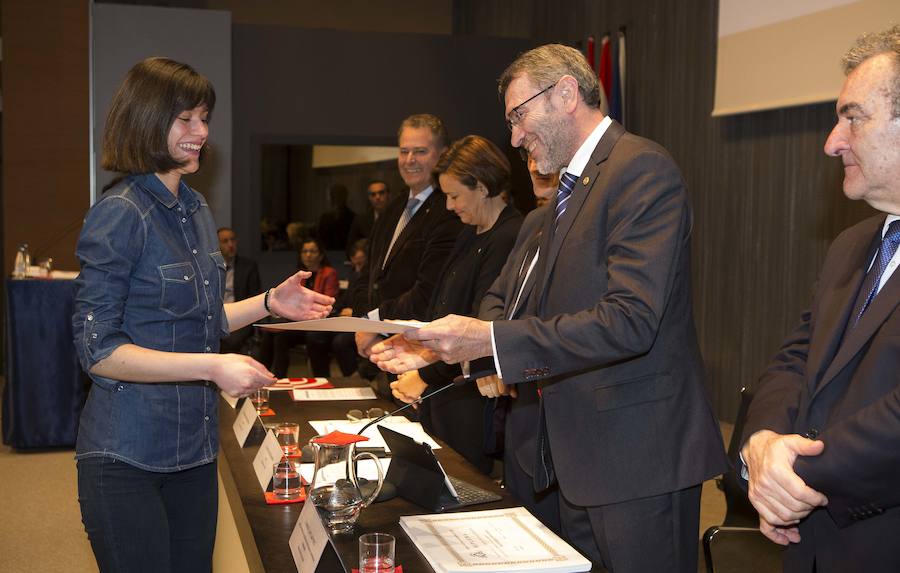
{"x": 586, "y": 180}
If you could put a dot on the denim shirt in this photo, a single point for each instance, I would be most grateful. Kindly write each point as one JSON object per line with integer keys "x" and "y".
{"x": 151, "y": 275}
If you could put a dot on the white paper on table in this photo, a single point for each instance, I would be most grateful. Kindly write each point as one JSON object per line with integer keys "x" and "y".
{"x": 365, "y": 468}
{"x": 495, "y": 540}
{"x": 346, "y": 324}
{"x": 333, "y": 394}
{"x": 399, "y": 424}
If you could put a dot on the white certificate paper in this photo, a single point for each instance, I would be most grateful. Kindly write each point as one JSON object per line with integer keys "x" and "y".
{"x": 495, "y": 540}
{"x": 346, "y": 324}
{"x": 333, "y": 394}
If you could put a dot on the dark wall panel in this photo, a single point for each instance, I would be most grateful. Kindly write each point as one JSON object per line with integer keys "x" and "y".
{"x": 305, "y": 86}
{"x": 46, "y": 156}
{"x": 767, "y": 201}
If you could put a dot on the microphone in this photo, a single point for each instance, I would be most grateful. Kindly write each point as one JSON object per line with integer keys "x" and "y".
{"x": 458, "y": 381}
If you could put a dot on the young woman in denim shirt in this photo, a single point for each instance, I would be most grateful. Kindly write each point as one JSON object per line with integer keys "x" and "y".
{"x": 148, "y": 319}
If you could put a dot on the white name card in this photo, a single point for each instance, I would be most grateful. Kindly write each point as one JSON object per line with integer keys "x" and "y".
{"x": 308, "y": 539}
{"x": 268, "y": 455}
{"x": 333, "y": 394}
{"x": 232, "y": 401}
{"x": 244, "y": 423}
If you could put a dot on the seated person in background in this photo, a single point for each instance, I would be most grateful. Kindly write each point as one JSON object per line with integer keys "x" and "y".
{"x": 343, "y": 344}
{"x": 334, "y": 224}
{"x": 241, "y": 281}
{"x": 379, "y": 196}
{"x": 275, "y": 346}
{"x": 545, "y": 186}
{"x": 472, "y": 174}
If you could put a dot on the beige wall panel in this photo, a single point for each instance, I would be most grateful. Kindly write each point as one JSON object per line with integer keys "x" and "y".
{"x": 793, "y": 62}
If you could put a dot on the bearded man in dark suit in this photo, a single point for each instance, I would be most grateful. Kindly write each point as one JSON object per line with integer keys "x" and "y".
{"x": 624, "y": 426}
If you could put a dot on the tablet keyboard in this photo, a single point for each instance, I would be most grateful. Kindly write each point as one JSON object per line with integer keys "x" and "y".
{"x": 470, "y": 494}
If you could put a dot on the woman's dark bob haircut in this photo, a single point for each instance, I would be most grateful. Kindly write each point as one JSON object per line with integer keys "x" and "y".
{"x": 153, "y": 94}
{"x": 472, "y": 160}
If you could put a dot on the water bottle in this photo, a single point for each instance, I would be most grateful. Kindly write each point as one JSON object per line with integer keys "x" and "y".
{"x": 22, "y": 259}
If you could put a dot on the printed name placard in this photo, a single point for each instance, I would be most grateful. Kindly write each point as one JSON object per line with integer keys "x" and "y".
{"x": 308, "y": 540}
{"x": 268, "y": 455}
{"x": 232, "y": 401}
{"x": 244, "y": 423}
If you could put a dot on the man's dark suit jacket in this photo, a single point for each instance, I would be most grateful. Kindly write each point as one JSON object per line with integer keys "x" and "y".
{"x": 609, "y": 335}
{"x": 520, "y": 446}
{"x": 402, "y": 289}
{"x": 841, "y": 386}
{"x": 246, "y": 284}
{"x": 361, "y": 228}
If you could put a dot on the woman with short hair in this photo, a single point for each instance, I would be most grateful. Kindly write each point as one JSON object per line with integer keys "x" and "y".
{"x": 147, "y": 323}
{"x": 473, "y": 174}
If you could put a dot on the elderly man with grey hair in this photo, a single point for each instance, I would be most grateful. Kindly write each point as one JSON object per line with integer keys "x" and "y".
{"x": 623, "y": 424}
{"x": 822, "y": 436}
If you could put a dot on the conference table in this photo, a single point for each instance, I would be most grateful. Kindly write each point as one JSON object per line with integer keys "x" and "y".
{"x": 265, "y": 529}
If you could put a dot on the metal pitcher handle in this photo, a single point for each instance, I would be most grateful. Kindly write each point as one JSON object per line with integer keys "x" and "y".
{"x": 368, "y": 501}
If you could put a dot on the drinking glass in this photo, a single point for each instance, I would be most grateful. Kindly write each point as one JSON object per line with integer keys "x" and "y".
{"x": 286, "y": 480}
{"x": 260, "y": 400}
{"x": 376, "y": 553}
{"x": 288, "y": 433}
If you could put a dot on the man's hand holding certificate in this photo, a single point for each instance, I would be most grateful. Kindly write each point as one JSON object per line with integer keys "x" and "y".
{"x": 452, "y": 339}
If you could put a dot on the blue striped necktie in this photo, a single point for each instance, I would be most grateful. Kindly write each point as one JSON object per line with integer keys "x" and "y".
{"x": 873, "y": 278}
{"x": 566, "y": 186}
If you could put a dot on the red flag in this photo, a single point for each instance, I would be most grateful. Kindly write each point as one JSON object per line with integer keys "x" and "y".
{"x": 590, "y": 53}
{"x": 605, "y": 71}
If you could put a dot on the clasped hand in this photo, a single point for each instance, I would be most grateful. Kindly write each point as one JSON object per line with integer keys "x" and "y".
{"x": 780, "y": 496}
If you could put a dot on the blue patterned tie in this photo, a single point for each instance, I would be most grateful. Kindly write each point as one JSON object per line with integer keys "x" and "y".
{"x": 401, "y": 224}
{"x": 566, "y": 186}
{"x": 873, "y": 278}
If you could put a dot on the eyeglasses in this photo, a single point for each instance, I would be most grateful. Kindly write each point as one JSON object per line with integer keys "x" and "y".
{"x": 516, "y": 114}
{"x": 371, "y": 413}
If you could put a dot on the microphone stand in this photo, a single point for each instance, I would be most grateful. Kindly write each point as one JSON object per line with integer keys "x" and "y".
{"x": 458, "y": 381}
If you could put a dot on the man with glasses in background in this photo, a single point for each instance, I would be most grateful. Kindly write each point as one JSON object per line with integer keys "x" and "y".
{"x": 624, "y": 425}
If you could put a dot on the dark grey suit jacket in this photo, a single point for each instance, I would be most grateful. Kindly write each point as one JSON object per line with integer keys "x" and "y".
{"x": 609, "y": 333}
{"x": 843, "y": 388}
{"x": 521, "y": 419}
{"x": 246, "y": 284}
{"x": 402, "y": 289}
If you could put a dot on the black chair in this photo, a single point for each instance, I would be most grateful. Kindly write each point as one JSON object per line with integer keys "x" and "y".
{"x": 737, "y": 546}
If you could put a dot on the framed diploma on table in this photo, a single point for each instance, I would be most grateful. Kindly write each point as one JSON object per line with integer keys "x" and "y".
{"x": 495, "y": 540}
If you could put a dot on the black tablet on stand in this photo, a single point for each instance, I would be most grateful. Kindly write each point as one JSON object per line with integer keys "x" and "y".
{"x": 418, "y": 476}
